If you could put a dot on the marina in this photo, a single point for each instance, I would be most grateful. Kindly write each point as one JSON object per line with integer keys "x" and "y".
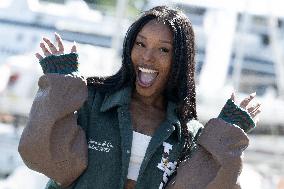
{"x": 239, "y": 48}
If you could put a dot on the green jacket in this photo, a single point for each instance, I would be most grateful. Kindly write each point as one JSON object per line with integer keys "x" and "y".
{"x": 108, "y": 128}
{"x": 81, "y": 136}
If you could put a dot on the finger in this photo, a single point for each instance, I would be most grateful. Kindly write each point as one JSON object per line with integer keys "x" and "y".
{"x": 233, "y": 97}
{"x": 44, "y": 49}
{"x": 74, "y": 48}
{"x": 256, "y": 111}
{"x": 50, "y": 45}
{"x": 60, "y": 44}
{"x": 39, "y": 57}
{"x": 246, "y": 101}
{"x": 254, "y": 108}
{"x": 254, "y": 114}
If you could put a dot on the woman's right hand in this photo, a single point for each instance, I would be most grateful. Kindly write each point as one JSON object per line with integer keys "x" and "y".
{"x": 48, "y": 48}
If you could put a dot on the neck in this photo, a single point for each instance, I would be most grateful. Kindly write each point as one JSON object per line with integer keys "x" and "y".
{"x": 153, "y": 101}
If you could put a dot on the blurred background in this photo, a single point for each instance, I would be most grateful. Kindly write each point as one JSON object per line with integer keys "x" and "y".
{"x": 240, "y": 47}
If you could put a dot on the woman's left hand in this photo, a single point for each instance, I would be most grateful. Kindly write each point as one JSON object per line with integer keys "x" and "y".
{"x": 252, "y": 109}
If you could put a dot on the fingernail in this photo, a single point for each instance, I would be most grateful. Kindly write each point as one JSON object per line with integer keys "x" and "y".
{"x": 74, "y": 42}
{"x": 252, "y": 94}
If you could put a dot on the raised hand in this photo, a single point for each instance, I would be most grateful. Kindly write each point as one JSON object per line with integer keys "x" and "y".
{"x": 48, "y": 48}
{"x": 253, "y": 110}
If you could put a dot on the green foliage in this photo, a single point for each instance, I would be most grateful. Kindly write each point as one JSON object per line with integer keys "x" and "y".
{"x": 108, "y": 6}
{"x": 102, "y": 2}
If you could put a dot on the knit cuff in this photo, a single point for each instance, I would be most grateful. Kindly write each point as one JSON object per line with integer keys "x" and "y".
{"x": 61, "y": 64}
{"x": 51, "y": 184}
{"x": 233, "y": 114}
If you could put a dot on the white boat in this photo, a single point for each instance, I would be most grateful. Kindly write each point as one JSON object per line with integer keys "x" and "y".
{"x": 23, "y": 23}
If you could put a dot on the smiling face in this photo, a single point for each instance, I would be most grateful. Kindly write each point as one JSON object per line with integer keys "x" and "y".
{"x": 151, "y": 56}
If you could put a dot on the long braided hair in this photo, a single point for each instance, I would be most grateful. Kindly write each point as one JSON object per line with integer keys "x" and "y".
{"x": 181, "y": 86}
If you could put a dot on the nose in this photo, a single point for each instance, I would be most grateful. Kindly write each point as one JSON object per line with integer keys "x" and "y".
{"x": 149, "y": 55}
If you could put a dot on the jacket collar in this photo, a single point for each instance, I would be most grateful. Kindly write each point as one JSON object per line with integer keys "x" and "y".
{"x": 173, "y": 118}
{"x": 118, "y": 98}
{"x": 123, "y": 97}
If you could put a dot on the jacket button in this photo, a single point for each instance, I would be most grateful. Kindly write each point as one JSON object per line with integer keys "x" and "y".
{"x": 128, "y": 151}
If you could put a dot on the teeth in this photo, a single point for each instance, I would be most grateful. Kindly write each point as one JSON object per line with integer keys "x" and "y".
{"x": 147, "y": 70}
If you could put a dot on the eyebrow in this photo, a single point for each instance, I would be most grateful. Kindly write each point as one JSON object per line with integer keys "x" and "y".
{"x": 163, "y": 41}
{"x": 139, "y": 35}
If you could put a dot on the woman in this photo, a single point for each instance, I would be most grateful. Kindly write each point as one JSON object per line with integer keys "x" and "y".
{"x": 137, "y": 128}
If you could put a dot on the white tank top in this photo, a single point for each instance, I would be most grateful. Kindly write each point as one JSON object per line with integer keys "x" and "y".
{"x": 140, "y": 143}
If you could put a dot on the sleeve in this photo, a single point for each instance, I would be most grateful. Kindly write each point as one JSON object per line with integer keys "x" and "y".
{"x": 216, "y": 162}
{"x": 225, "y": 143}
{"x": 52, "y": 142}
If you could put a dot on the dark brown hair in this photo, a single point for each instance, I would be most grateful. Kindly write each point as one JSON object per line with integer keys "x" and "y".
{"x": 181, "y": 86}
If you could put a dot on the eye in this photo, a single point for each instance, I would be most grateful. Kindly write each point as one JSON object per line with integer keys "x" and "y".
{"x": 139, "y": 44}
{"x": 164, "y": 50}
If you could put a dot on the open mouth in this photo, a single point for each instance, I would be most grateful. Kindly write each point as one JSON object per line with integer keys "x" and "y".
{"x": 146, "y": 77}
